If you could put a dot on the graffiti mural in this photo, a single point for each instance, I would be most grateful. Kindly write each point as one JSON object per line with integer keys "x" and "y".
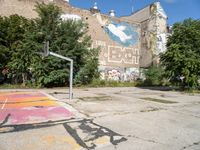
{"x": 123, "y": 55}
{"x": 119, "y": 74}
{"x": 122, "y": 33}
{"x": 125, "y": 34}
{"x": 120, "y": 50}
{"x": 117, "y": 55}
{"x": 124, "y": 62}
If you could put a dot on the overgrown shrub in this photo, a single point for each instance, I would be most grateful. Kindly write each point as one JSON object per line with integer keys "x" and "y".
{"x": 154, "y": 76}
{"x": 182, "y": 58}
{"x": 88, "y": 73}
{"x": 111, "y": 83}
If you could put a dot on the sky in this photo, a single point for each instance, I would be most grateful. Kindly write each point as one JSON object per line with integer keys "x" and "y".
{"x": 176, "y": 10}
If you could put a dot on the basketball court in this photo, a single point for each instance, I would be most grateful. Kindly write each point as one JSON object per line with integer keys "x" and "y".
{"x": 31, "y": 107}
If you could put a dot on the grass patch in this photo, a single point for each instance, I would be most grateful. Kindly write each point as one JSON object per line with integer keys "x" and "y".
{"x": 96, "y": 98}
{"x": 117, "y": 93}
{"x": 192, "y": 91}
{"x": 158, "y": 100}
{"x": 105, "y": 83}
{"x": 150, "y": 109}
{"x": 101, "y": 94}
{"x": 17, "y": 86}
{"x": 196, "y": 143}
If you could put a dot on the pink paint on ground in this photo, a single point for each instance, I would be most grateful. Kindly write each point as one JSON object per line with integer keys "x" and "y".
{"x": 32, "y": 114}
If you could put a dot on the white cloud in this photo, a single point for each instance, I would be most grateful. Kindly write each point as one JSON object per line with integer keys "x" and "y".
{"x": 118, "y": 31}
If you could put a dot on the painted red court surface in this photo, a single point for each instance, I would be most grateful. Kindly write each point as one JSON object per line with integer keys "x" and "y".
{"x": 30, "y": 107}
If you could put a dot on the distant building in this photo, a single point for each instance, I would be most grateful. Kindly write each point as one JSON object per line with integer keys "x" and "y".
{"x": 127, "y": 43}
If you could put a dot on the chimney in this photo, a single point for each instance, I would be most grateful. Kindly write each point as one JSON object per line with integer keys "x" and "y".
{"x": 95, "y": 5}
{"x": 94, "y": 9}
{"x": 112, "y": 13}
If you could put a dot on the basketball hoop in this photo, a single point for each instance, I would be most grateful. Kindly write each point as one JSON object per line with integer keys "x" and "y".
{"x": 46, "y": 53}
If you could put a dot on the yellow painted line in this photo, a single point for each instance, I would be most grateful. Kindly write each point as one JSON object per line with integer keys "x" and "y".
{"x": 32, "y": 104}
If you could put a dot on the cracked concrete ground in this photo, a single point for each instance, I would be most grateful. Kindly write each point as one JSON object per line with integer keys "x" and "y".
{"x": 142, "y": 116}
{"x": 146, "y": 124}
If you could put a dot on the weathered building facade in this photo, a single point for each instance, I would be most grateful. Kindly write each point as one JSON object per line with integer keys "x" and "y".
{"x": 127, "y": 43}
{"x": 153, "y": 21}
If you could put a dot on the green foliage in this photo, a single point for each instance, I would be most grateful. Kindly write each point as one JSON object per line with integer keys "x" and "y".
{"x": 12, "y": 33}
{"x": 154, "y": 76}
{"x": 48, "y": 21}
{"x": 67, "y": 38}
{"x": 88, "y": 72}
{"x": 4, "y": 51}
{"x": 23, "y": 40}
{"x": 111, "y": 83}
{"x": 182, "y": 58}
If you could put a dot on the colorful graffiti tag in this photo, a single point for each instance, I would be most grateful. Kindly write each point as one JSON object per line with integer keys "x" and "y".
{"x": 122, "y": 33}
{"x": 117, "y": 54}
{"x": 29, "y": 107}
{"x": 119, "y": 74}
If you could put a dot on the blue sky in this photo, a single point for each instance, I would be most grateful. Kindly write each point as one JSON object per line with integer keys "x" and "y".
{"x": 176, "y": 10}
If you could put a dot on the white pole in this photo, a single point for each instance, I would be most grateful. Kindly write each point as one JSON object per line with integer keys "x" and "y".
{"x": 71, "y": 72}
{"x": 71, "y": 80}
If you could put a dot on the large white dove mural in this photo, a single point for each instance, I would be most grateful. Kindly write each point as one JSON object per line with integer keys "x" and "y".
{"x": 122, "y": 33}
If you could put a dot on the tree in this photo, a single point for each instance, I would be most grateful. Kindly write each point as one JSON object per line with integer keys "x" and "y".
{"x": 67, "y": 38}
{"x": 21, "y": 42}
{"x": 12, "y": 33}
{"x": 21, "y": 59}
{"x": 182, "y": 58}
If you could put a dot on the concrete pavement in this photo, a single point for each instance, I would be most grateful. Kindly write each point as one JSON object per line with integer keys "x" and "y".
{"x": 35, "y": 120}
{"x": 115, "y": 118}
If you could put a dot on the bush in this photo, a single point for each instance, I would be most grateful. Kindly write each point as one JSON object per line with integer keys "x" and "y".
{"x": 155, "y": 76}
{"x": 182, "y": 58}
{"x": 1, "y": 78}
{"x": 88, "y": 73}
{"x": 111, "y": 83}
